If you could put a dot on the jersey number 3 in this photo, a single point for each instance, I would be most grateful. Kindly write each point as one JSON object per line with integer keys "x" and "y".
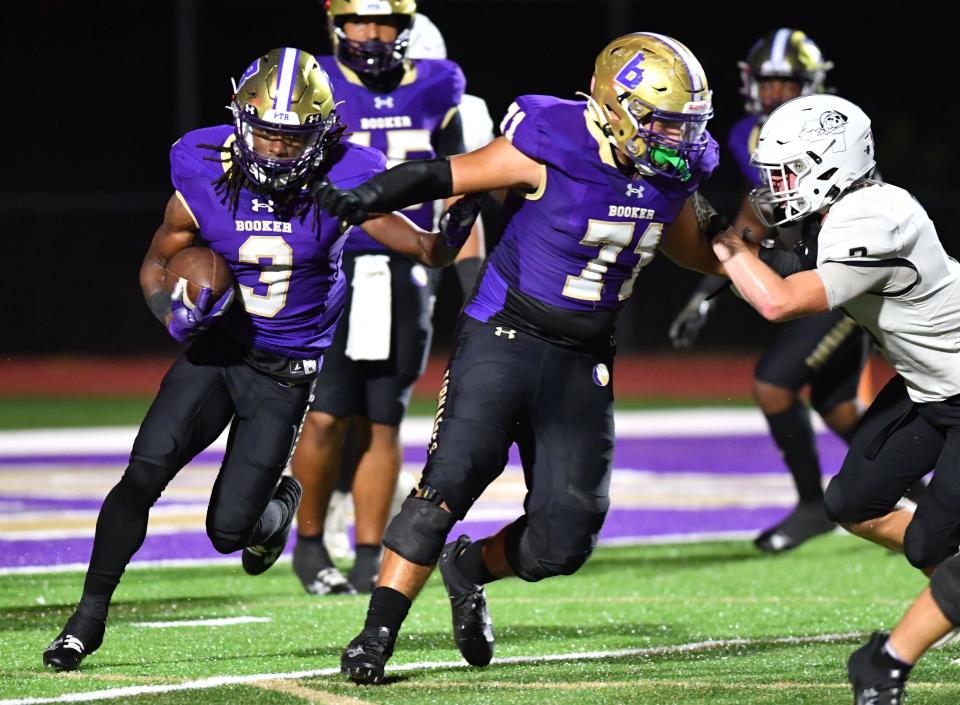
{"x": 275, "y": 276}
{"x": 612, "y": 237}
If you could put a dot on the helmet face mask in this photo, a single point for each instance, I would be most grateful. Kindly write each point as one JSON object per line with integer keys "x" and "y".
{"x": 284, "y": 119}
{"x": 371, "y": 56}
{"x": 810, "y": 150}
{"x": 650, "y": 97}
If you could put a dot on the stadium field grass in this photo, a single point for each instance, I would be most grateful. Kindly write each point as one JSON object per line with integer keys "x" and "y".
{"x": 665, "y": 600}
{"x": 73, "y": 411}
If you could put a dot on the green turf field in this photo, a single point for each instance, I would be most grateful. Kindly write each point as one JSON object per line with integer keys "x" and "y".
{"x": 663, "y": 600}
{"x": 72, "y": 412}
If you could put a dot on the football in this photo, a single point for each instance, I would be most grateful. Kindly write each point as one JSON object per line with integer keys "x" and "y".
{"x": 200, "y": 267}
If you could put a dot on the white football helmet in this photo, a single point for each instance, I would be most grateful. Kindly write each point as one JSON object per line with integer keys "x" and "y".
{"x": 810, "y": 150}
{"x": 426, "y": 41}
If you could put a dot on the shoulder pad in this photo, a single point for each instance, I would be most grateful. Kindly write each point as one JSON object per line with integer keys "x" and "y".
{"x": 352, "y": 164}
{"x": 533, "y": 124}
{"x": 859, "y": 227}
{"x": 191, "y": 156}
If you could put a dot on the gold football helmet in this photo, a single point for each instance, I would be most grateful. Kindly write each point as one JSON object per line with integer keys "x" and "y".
{"x": 372, "y": 56}
{"x": 649, "y": 95}
{"x": 284, "y": 97}
{"x": 785, "y": 54}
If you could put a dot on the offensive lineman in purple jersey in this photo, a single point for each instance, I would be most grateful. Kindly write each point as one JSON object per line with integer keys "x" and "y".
{"x": 826, "y": 352}
{"x": 407, "y": 110}
{"x": 241, "y": 189}
{"x": 597, "y": 187}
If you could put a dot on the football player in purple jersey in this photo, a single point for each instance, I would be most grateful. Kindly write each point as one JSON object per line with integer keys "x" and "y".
{"x": 407, "y": 110}
{"x": 244, "y": 191}
{"x": 826, "y": 352}
{"x": 597, "y": 187}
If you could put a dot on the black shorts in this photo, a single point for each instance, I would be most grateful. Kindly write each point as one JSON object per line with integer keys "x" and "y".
{"x": 208, "y": 387}
{"x": 827, "y": 352}
{"x": 504, "y": 386}
{"x": 896, "y": 443}
{"x": 380, "y": 390}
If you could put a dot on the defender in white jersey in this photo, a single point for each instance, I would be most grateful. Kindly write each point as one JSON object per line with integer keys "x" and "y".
{"x": 879, "y": 258}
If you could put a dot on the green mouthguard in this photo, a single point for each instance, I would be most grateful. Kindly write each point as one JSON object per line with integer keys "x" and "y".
{"x": 663, "y": 156}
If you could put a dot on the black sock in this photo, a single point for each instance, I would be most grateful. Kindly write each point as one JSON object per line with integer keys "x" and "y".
{"x": 310, "y": 557}
{"x": 793, "y": 434}
{"x": 368, "y": 556}
{"x": 121, "y": 528}
{"x": 366, "y": 566}
{"x": 471, "y": 566}
{"x": 388, "y": 608}
{"x": 888, "y": 662}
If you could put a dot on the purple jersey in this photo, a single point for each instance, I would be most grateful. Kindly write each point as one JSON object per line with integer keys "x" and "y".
{"x": 400, "y": 123}
{"x": 742, "y": 141}
{"x": 288, "y": 271}
{"x": 571, "y": 251}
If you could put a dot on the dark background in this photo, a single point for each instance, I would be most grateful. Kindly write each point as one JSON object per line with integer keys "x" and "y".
{"x": 97, "y": 92}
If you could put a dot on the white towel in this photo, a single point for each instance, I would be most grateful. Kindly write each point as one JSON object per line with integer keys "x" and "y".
{"x": 368, "y": 334}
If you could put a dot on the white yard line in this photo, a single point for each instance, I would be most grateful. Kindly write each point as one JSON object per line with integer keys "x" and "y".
{"x": 232, "y": 560}
{"x": 218, "y": 681}
{"x": 706, "y": 421}
{"x": 213, "y": 622}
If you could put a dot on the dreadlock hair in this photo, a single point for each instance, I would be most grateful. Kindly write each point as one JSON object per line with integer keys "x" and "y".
{"x": 287, "y": 204}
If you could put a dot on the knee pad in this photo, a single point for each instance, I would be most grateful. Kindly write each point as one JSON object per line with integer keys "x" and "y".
{"x": 921, "y": 548}
{"x": 945, "y": 587}
{"x": 418, "y": 531}
{"x": 143, "y": 483}
{"x": 532, "y": 559}
{"x": 224, "y": 542}
{"x": 835, "y": 502}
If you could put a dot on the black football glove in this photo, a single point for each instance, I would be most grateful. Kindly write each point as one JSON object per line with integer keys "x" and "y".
{"x": 352, "y": 206}
{"x": 691, "y": 319}
{"x": 457, "y": 221}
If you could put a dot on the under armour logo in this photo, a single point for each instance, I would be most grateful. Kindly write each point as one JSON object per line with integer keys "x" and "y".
{"x": 635, "y": 191}
{"x": 258, "y": 205}
{"x": 380, "y": 103}
{"x": 511, "y": 334}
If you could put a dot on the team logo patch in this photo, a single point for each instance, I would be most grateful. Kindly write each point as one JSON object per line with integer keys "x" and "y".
{"x": 631, "y": 74}
{"x": 252, "y": 70}
{"x": 601, "y": 375}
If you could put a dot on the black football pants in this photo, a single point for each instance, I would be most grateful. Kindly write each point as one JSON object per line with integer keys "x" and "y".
{"x": 898, "y": 442}
{"x": 206, "y": 387}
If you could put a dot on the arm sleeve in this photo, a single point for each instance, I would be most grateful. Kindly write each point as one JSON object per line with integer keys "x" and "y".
{"x": 844, "y": 281}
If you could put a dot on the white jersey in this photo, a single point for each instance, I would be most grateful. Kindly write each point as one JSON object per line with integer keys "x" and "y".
{"x": 880, "y": 259}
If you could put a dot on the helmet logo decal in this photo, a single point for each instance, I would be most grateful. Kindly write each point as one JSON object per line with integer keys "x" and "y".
{"x": 631, "y": 74}
{"x": 374, "y": 7}
{"x": 830, "y": 124}
{"x": 252, "y": 70}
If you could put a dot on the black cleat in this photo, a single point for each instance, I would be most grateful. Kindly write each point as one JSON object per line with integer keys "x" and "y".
{"x": 807, "y": 520}
{"x": 81, "y": 636}
{"x": 874, "y": 683}
{"x": 365, "y": 658}
{"x": 472, "y": 626}
{"x": 258, "y": 559}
